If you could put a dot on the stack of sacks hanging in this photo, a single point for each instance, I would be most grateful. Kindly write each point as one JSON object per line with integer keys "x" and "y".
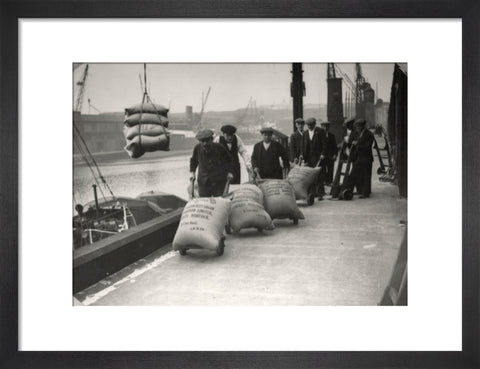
{"x": 145, "y": 129}
{"x": 247, "y": 209}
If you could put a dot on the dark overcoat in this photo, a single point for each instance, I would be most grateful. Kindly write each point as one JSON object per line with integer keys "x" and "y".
{"x": 313, "y": 147}
{"x": 297, "y": 145}
{"x": 267, "y": 161}
{"x": 213, "y": 164}
{"x": 233, "y": 151}
{"x": 330, "y": 148}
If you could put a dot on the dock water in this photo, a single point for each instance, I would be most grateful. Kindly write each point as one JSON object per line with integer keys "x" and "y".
{"x": 342, "y": 254}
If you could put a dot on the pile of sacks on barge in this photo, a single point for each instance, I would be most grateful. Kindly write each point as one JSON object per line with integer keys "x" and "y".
{"x": 251, "y": 205}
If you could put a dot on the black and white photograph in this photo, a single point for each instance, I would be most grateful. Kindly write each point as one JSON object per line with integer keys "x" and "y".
{"x": 239, "y": 184}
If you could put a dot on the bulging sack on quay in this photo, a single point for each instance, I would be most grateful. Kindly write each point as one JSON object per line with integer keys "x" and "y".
{"x": 202, "y": 223}
{"x": 249, "y": 214}
{"x": 248, "y": 192}
{"x": 279, "y": 198}
{"x": 301, "y": 179}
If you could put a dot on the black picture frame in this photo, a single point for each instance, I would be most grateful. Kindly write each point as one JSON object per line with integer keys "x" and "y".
{"x": 11, "y": 11}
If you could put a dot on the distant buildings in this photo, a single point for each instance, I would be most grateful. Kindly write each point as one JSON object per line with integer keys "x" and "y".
{"x": 104, "y": 132}
{"x": 101, "y": 132}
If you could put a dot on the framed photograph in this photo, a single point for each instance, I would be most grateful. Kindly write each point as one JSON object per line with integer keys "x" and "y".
{"x": 178, "y": 262}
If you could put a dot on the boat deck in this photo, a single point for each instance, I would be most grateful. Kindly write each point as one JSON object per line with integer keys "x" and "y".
{"x": 343, "y": 253}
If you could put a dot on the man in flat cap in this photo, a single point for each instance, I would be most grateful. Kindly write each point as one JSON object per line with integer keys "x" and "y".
{"x": 314, "y": 142}
{"x": 266, "y": 156}
{"x": 361, "y": 174}
{"x": 351, "y": 132}
{"x": 348, "y": 139}
{"x": 214, "y": 163}
{"x": 348, "y": 125}
{"x": 234, "y": 145}
{"x": 297, "y": 142}
{"x": 330, "y": 151}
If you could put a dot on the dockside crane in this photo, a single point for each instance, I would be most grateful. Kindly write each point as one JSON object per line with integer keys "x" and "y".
{"x": 90, "y": 106}
{"x": 359, "y": 90}
{"x": 331, "y": 71}
{"x": 251, "y": 111}
{"x": 335, "y": 113}
{"x": 81, "y": 144}
{"x": 80, "y": 88}
{"x": 351, "y": 89}
{"x": 204, "y": 102}
{"x": 365, "y": 97}
{"x": 245, "y": 112}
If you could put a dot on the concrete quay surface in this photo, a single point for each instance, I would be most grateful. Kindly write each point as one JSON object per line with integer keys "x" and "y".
{"x": 342, "y": 254}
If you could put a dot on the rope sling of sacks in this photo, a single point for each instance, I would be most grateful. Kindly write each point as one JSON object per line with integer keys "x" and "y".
{"x": 247, "y": 210}
{"x": 145, "y": 126}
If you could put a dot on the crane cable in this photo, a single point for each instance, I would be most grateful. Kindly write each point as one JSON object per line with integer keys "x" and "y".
{"x": 146, "y": 98}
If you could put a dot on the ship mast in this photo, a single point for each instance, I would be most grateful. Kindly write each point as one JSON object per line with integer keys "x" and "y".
{"x": 80, "y": 143}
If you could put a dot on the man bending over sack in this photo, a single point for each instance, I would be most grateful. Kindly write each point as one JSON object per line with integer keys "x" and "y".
{"x": 234, "y": 145}
{"x": 214, "y": 164}
{"x": 266, "y": 155}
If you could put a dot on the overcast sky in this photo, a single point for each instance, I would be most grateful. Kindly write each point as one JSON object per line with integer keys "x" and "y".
{"x": 113, "y": 87}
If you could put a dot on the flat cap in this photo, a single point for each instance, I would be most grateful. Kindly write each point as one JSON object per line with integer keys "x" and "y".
{"x": 311, "y": 121}
{"x": 204, "y": 134}
{"x": 299, "y": 121}
{"x": 325, "y": 124}
{"x": 266, "y": 130}
{"x": 360, "y": 122}
{"x": 228, "y": 129}
{"x": 349, "y": 123}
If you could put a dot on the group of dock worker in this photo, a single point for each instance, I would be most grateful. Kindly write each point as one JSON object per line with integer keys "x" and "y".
{"x": 218, "y": 160}
{"x": 359, "y": 141}
{"x": 315, "y": 147}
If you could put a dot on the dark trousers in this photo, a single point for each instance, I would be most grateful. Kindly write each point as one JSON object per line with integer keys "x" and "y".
{"x": 367, "y": 180}
{"x": 271, "y": 174}
{"x": 328, "y": 167}
{"x": 320, "y": 182}
{"x": 236, "y": 174}
{"x": 361, "y": 177}
{"x": 211, "y": 189}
